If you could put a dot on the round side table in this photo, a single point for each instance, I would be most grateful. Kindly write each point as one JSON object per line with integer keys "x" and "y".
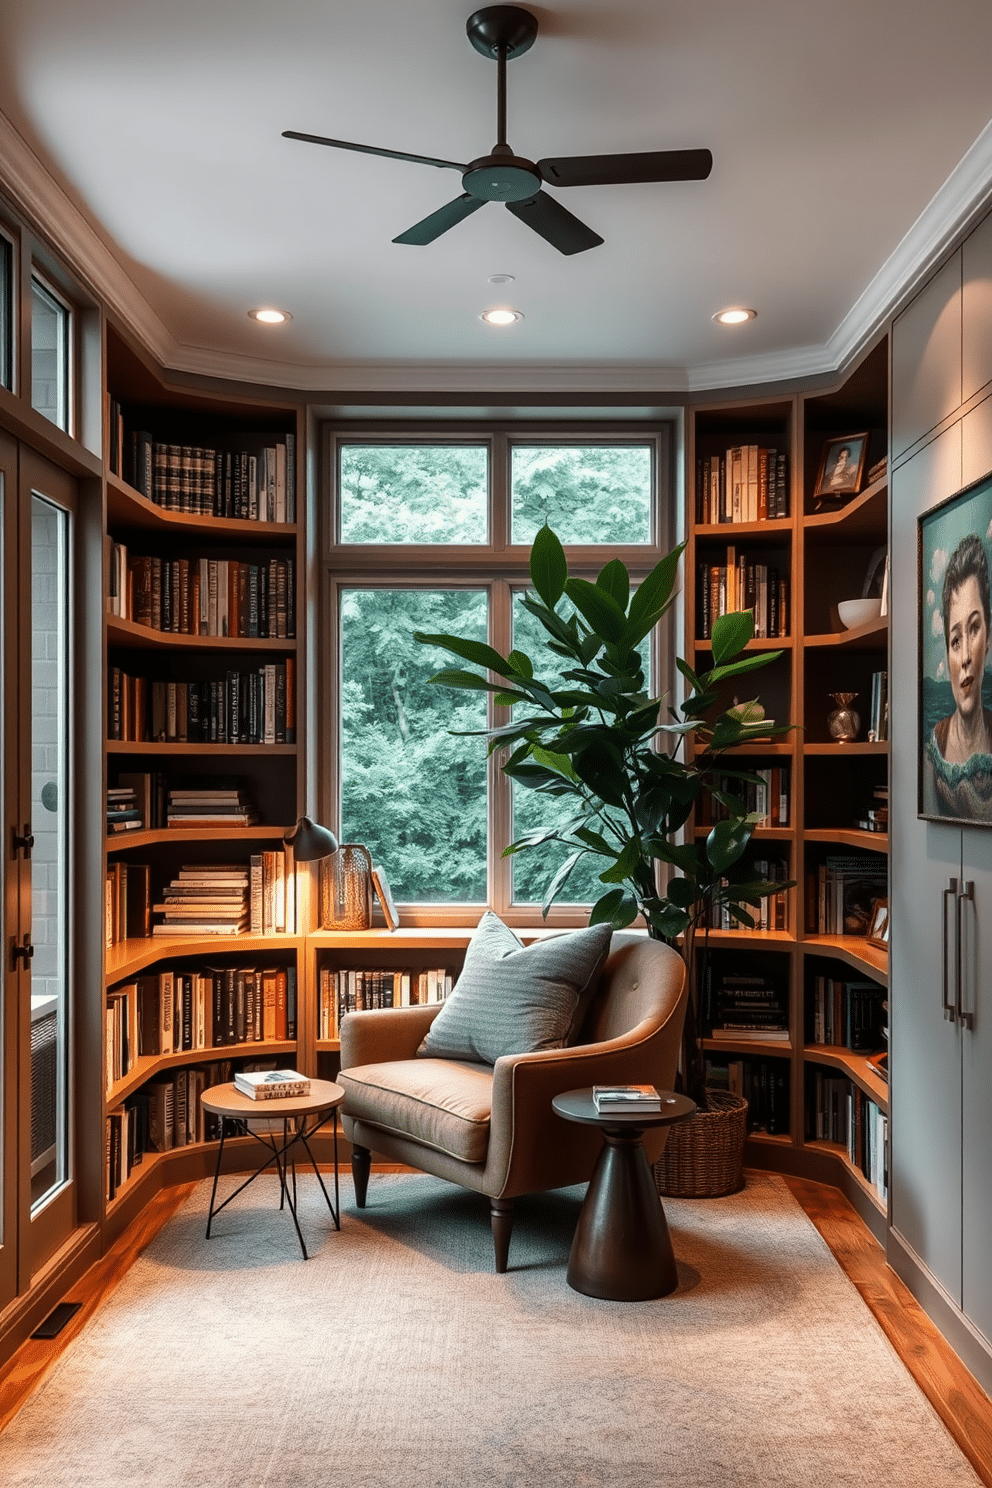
{"x": 622, "y": 1250}
{"x": 301, "y": 1117}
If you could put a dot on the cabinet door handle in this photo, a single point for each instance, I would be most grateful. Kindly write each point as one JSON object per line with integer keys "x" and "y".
{"x": 23, "y": 841}
{"x": 951, "y": 892}
{"x": 22, "y": 953}
{"x": 966, "y": 896}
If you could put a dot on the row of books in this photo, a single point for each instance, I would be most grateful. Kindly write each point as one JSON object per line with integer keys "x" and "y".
{"x": 177, "y": 1010}
{"x": 850, "y": 1014}
{"x": 256, "y": 707}
{"x": 841, "y": 1112}
{"x": 876, "y": 818}
{"x": 353, "y": 989}
{"x": 259, "y": 897}
{"x": 740, "y": 1006}
{"x": 747, "y": 483}
{"x": 129, "y": 807}
{"x": 165, "y": 1113}
{"x": 265, "y": 896}
{"x": 764, "y": 1084}
{"x": 741, "y": 584}
{"x": 878, "y": 714}
{"x": 772, "y": 911}
{"x": 204, "y": 596}
{"x": 842, "y": 891}
{"x": 766, "y": 797}
{"x": 247, "y": 476}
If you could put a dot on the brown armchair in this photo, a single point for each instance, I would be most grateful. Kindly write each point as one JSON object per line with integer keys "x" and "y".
{"x": 491, "y": 1127}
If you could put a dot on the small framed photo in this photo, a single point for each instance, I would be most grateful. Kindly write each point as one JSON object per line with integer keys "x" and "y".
{"x": 878, "y": 925}
{"x": 842, "y": 465}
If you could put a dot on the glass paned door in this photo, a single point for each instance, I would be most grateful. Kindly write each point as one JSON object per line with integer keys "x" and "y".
{"x": 50, "y": 854}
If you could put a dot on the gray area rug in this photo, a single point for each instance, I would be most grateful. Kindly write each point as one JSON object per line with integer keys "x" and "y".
{"x": 396, "y": 1358}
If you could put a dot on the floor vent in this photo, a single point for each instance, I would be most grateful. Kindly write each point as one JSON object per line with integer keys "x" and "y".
{"x": 56, "y": 1320}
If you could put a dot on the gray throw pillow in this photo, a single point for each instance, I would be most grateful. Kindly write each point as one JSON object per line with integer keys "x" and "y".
{"x": 514, "y": 999}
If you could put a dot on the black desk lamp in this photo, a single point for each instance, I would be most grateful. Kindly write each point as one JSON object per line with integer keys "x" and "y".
{"x": 310, "y": 841}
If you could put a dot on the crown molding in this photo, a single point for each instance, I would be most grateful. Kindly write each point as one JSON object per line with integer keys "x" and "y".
{"x": 957, "y": 205}
{"x": 45, "y": 205}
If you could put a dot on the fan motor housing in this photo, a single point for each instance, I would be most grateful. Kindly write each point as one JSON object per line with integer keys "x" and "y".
{"x": 502, "y": 178}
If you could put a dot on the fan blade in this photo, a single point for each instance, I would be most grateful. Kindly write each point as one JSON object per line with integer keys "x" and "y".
{"x": 555, "y": 223}
{"x": 622, "y": 170}
{"x": 438, "y": 222}
{"x": 319, "y": 139}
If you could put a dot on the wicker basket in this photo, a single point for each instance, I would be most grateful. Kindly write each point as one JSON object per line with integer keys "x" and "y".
{"x": 704, "y": 1156}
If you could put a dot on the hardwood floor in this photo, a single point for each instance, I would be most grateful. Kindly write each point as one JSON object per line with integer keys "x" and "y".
{"x": 959, "y": 1401}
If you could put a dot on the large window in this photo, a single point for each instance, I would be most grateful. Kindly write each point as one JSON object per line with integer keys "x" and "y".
{"x": 434, "y": 535}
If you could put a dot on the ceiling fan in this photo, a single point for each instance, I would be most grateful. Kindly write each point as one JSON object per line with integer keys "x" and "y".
{"x": 502, "y": 32}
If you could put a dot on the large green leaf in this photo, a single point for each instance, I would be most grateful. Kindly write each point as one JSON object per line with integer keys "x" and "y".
{"x": 614, "y": 580}
{"x": 548, "y": 567}
{"x": 731, "y": 634}
{"x": 750, "y": 663}
{"x": 596, "y": 841}
{"x": 654, "y": 592}
{"x": 625, "y": 864}
{"x": 726, "y": 842}
{"x": 616, "y": 909}
{"x": 559, "y": 881}
{"x": 474, "y": 651}
{"x": 600, "y": 769}
{"x": 521, "y": 663}
{"x": 470, "y": 681}
{"x": 599, "y": 609}
{"x": 559, "y": 762}
{"x": 668, "y": 919}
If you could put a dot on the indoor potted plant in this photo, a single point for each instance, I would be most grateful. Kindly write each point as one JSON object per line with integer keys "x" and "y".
{"x": 619, "y": 755}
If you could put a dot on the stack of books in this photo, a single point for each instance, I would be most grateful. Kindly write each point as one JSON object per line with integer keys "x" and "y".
{"x": 632, "y": 1098}
{"x": 271, "y": 1084}
{"x": 205, "y": 899}
{"x": 210, "y": 808}
{"x": 123, "y": 810}
{"x": 750, "y": 1009}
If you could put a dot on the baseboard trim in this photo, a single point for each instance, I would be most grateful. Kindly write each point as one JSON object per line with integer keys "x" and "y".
{"x": 57, "y": 1276}
{"x": 971, "y": 1347}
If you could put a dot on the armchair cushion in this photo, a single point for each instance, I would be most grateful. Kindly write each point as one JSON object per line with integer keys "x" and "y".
{"x": 441, "y": 1103}
{"x": 516, "y": 999}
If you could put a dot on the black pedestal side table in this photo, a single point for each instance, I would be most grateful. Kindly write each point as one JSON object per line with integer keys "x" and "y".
{"x": 301, "y": 1117}
{"x": 622, "y": 1250}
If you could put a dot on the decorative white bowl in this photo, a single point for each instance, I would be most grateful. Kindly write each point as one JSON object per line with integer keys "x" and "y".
{"x": 854, "y": 612}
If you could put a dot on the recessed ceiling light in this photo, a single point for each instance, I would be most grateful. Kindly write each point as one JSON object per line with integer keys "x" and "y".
{"x": 500, "y": 278}
{"x": 500, "y": 317}
{"x": 734, "y": 316}
{"x": 269, "y": 316}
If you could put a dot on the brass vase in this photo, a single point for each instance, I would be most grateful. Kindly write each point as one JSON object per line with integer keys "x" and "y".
{"x": 843, "y": 723}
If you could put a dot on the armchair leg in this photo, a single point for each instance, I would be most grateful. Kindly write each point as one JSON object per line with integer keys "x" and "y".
{"x": 361, "y": 1166}
{"x": 501, "y": 1219}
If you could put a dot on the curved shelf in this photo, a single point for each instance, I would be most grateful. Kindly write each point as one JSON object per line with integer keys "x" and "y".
{"x": 870, "y": 637}
{"x": 328, "y": 1046}
{"x": 127, "y": 506}
{"x": 849, "y": 837}
{"x": 855, "y": 1066}
{"x": 838, "y": 1151}
{"x": 744, "y": 939}
{"x": 858, "y": 520}
{"x": 129, "y": 632}
{"x": 839, "y": 750}
{"x": 148, "y": 1065}
{"x": 775, "y": 526}
{"x": 853, "y": 951}
{"x": 770, "y": 1139}
{"x": 128, "y": 957}
{"x": 760, "y": 834}
{"x": 122, "y": 840}
{"x": 744, "y": 1045}
{"x": 762, "y": 643}
{"x": 209, "y": 751}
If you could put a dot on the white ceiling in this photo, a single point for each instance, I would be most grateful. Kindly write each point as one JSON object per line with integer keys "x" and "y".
{"x": 833, "y": 128}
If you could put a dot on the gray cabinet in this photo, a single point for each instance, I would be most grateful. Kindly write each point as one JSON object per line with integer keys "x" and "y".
{"x": 926, "y": 358}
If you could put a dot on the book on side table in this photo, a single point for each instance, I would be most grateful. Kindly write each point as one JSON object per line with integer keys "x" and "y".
{"x": 271, "y": 1084}
{"x": 626, "y": 1098}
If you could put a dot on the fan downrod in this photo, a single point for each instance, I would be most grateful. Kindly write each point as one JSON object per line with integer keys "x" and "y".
{"x": 507, "y": 26}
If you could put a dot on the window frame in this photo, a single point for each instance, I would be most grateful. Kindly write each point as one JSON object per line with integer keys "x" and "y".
{"x": 37, "y": 276}
{"x": 500, "y": 566}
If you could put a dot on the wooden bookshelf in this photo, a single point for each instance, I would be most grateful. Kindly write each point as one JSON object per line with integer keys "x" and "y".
{"x": 825, "y": 550}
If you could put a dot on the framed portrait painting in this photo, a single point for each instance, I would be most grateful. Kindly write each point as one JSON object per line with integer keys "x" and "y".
{"x": 842, "y": 466}
{"x": 955, "y": 684}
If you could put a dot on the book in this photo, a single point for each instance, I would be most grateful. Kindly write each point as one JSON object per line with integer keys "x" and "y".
{"x": 626, "y": 1098}
{"x": 271, "y": 1084}
{"x": 380, "y": 884}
